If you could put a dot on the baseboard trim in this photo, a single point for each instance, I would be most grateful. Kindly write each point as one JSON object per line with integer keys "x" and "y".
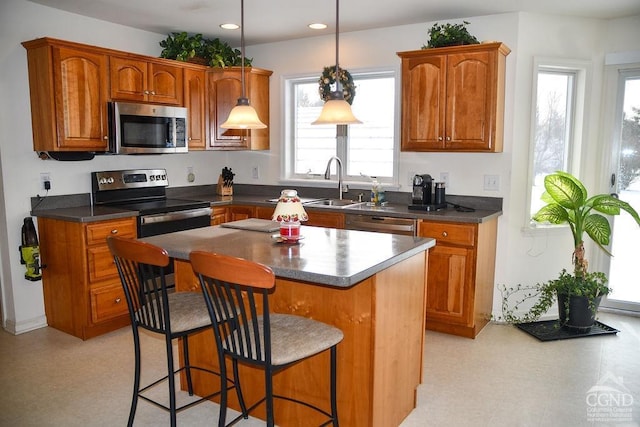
{"x": 17, "y": 328}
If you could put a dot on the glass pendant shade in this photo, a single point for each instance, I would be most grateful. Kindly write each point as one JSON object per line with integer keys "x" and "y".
{"x": 336, "y": 112}
{"x": 243, "y": 116}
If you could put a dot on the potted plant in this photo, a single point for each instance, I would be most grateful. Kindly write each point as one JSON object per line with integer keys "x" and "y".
{"x": 578, "y": 294}
{"x": 195, "y": 48}
{"x": 441, "y": 35}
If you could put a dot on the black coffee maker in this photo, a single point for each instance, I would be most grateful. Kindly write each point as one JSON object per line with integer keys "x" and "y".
{"x": 427, "y": 195}
{"x": 422, "y": 185}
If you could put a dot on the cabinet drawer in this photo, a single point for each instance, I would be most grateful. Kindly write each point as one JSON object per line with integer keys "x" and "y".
{"x": 98, "y": 232}
{"x": 455, "y": 234}
{"x": 101, "y": 264}
{"x": 107, "y": 302}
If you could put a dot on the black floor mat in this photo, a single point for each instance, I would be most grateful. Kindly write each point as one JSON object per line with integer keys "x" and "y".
{"x": 550, "y": 330}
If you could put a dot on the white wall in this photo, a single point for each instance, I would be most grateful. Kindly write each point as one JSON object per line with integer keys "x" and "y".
{"x": 521, "y": 259}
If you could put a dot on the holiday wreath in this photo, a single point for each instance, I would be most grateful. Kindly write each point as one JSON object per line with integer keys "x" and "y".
{"x": 328, "y": 78}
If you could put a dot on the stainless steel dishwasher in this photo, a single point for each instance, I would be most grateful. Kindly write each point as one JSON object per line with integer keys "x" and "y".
{"x": 381, "y": 224}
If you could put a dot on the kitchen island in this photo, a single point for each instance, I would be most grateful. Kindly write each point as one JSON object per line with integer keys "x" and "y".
{"x": 370, "y": 285}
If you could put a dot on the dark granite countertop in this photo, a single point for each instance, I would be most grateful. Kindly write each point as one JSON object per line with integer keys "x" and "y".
{"x": 326, "y": 256}
{"x": 76, "y": 207}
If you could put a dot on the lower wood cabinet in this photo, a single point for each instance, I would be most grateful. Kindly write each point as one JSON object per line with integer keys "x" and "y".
{"x": 316, "y": 217}
{"x": 219, "y": 215}
{"x": 82, "y": 291}
{"x": 460, "y": 278}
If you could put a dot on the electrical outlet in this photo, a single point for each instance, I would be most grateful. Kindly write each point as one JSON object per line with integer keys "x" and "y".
{"x": 45, "y": 181}
{"x": 444, "y": 177}
{"x": 255, "y": 172}
{"x": 492, "y": 182}
{"x": 190, "y": 175}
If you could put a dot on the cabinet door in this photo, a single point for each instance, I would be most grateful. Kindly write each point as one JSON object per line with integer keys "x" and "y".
{"x": 128, "y": 78}
{"x": 325, "y": 219}
{"x": 241, "y": 212}
{"x": 218, "y": 216}
{"x": 80, "y": 98}
{"x": 423, "y": 103}
{"x": 470, "y": 101}
{"x": 224, "y": 90}
{"x": 194, "y": 100}
{"x": 450, "y": 284}
{"x": 165, "y": 84}
{"x": 265, "y": 212}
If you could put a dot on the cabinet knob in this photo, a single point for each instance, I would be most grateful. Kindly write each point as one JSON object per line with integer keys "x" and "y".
{"x": 114, "y": 231}
{"x": 118, "y": 300}
{"x": 448, "y": 138}
{"x": 445, "y": 234}
{"x": 439, "y": 138}
{"x": 105, "y": 137}
{"x": 153, "y": 92}
{"x": 146, "y": 92}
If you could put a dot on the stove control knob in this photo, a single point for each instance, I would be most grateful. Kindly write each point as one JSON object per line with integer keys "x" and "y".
{"x": 164, "y": 177}
{"x": 152, "y": 177}
{"x": 110, "y": 180}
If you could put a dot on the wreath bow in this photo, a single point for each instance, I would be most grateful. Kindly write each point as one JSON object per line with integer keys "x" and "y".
{"x": 328, "y": 78}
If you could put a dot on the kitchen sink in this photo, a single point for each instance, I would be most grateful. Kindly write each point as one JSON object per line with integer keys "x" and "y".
{"x": 334, "y": 203}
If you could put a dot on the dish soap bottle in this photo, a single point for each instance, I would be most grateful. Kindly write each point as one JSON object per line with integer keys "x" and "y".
{"x": 377, "y": 193}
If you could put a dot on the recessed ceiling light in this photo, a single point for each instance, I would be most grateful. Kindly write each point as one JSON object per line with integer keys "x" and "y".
{"x": 229, "y": 26}
{"x": 317, "y": 26}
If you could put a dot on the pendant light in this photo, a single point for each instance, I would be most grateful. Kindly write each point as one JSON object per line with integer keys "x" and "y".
{"x": 243, "y": 115}
{"x": 336, "y": 111}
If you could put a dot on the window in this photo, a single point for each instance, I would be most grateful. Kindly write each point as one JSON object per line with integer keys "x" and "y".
{"x": 366, "y": 149}
{"x": 556, "y": 125}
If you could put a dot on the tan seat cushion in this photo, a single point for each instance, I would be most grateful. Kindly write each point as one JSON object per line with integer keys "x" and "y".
{"x": 295, "y": 338}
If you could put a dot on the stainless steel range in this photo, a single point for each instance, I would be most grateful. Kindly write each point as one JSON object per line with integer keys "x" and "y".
{"x": 144, "y": 190}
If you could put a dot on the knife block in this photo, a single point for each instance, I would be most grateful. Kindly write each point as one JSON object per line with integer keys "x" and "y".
{"x": 223, "y": 190}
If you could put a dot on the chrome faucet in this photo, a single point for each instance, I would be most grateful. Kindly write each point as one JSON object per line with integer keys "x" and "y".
{"x": 327, "y": 175}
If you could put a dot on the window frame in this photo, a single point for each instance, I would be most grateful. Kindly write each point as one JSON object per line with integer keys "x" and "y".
{"x": 317, "y": 180}
{"x": 581, "y": 71}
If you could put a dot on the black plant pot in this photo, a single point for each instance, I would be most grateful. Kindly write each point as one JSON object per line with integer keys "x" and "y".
{"x": 582, "y": 312}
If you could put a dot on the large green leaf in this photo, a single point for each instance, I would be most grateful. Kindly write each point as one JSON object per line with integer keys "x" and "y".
{"x": 605, "y": 203}
{"x": 552, "y": 213}
{"x": 598, "y": 228}
{"x": 565, "y": 190}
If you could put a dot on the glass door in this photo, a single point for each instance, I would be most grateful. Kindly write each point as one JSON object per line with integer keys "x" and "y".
{"x": 625, "y": 180}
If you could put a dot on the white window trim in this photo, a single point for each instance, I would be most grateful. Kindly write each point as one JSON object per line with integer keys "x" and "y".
{"x": 285, "y": 155}
{"x": 579, "y": 131}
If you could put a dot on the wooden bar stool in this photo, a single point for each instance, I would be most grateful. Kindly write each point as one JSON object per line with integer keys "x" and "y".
{"x": 237, "y": 288}
{"x": 173, "y": 314}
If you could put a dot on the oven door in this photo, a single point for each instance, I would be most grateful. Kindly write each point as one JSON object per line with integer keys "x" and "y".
{"x": 153, "y": 225}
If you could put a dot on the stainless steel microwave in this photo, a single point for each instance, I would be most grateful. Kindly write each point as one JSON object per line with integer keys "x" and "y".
{"x": 147, "y": 128}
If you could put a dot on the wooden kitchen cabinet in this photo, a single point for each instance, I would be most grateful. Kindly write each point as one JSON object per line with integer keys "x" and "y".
{"x": 69, "y": 89}
{"x": 194, "y": 100}
{"x": 139, "y": 80}
{"x": 460, "y": 278}
{"x": 224, "y": 89}
{"x": 238, "y": 212}
{"x": 219, "y": 215}
{"x": 318, "y": 218}
{"x": 453, "y": 98}
{"x": 82, "y": 291}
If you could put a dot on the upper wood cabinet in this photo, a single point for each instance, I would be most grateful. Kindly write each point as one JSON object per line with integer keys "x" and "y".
{"x": 225, "y": 87}
{"x": 138, "y": 80}
{"x": 195, "y": 101}
{"x": 68, "y": 87}
{"x": 453, "y": 98}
